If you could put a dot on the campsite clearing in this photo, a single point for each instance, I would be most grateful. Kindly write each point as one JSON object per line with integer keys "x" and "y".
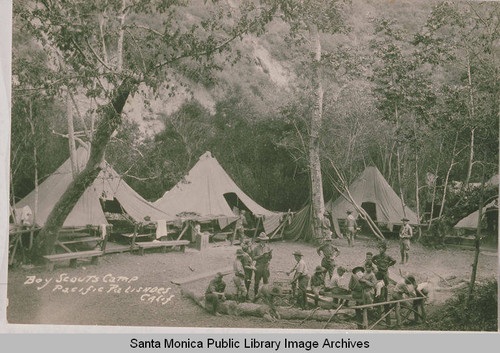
{"x": 143, "y": 285}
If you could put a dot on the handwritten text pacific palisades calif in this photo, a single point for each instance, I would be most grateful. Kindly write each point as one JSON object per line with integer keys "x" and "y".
{"x": 107, "y": 284}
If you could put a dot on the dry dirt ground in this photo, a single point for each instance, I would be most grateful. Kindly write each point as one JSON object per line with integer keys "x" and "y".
{"x": 47, "y": 303}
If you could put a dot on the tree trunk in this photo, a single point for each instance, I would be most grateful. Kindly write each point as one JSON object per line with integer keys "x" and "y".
{"x": 417, "y": 198}
{"x": 477, "y": 243}
{"x": 35, "y": 161}
{"x": 119, "y": 50}
{"x": 401, "y": 195}
{"x": 71, "y": 136}
{"x": 471, "y": 117}
{"x": 110, "y": 120}
{"x": 448, "y": 177}
{"x": 435, "y": 186}
{"x": 318, "y": 204}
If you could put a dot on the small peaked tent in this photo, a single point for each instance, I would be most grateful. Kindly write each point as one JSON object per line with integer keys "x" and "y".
{"x": 88, "y": 210}
{"x": 494, "y": 181}
{"x": 470, "y": 222}
{"x": 372, "y": 192}
{"x": 204, "y": 193}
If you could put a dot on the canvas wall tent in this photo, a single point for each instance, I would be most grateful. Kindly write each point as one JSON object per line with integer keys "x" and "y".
{"x": 205, "y": 192}
{"x": 470, "y": 222}
{"x": 371, "y": 191}
{"x": 88, "y": 210}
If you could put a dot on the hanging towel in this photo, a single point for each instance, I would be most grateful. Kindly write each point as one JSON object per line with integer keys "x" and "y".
{"x": 161, "y": 228}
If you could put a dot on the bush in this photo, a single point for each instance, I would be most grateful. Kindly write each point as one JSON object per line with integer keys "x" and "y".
{"x": 481, "y": 314}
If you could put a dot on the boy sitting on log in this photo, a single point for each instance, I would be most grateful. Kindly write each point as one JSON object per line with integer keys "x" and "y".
{"x": 318, "y": 282}
{"x": 215, "y": 293}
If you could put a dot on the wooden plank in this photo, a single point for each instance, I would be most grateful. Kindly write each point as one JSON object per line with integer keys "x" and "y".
{"x": 200, "y": 276}
{"x": 387, "y": 302}
{"x": 22, "y": 231}
{"x": 79, "y": 240}
{"x": 115, "y": 248}
{"x": 73, "y": 255}
{"x": 159, "y": 244}
{"x": 131, "y": 235}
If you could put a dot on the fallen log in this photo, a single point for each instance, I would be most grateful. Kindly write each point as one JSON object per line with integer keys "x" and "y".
{"x": 231, "y": 307}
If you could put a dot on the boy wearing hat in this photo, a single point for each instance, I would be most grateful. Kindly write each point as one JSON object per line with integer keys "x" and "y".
{"x": 405, "y": 234}
{"x": 262, "y": 255}
{"x": 301, "y": 278}
{"x": 318, "y": 282}
{"x": 351, "y": 227}
{"x": 330, "y": 252}
{"x": 215, "y": 293}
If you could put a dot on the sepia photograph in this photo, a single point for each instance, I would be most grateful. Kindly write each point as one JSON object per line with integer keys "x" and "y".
{"x": 278, "y": 164}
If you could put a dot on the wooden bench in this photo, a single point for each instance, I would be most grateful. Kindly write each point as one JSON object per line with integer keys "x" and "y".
{"x": 72, "y": 257}
{"x": 163, "y": 245}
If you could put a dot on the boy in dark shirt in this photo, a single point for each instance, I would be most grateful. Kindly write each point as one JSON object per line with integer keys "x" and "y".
{"x": 383, "y": 262}
{"x": 215, "y": 293}
{"x": 318, "y": 282}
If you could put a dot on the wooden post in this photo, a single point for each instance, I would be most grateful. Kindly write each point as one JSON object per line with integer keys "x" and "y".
{"x": 32, "y": 234}
{"x": 132, "y": 246}
{"x": 398, "y": 314}
{"x": 365, "y": 318}
{"x": 105, "y": 240}
{"x": 256, "y": 228}
{"x": 233, "y": 237}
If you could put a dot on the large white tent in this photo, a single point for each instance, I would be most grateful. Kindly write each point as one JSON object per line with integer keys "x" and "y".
{"x": 204, "y": 192}
{"x": 371, "y": 187}
{"x": 88, "y": 210}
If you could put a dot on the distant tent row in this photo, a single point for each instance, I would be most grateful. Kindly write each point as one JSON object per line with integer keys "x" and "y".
{"x": 88, "y": 210}
{"x": 371, "y": 192}
{"x": 208, "y": 193}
